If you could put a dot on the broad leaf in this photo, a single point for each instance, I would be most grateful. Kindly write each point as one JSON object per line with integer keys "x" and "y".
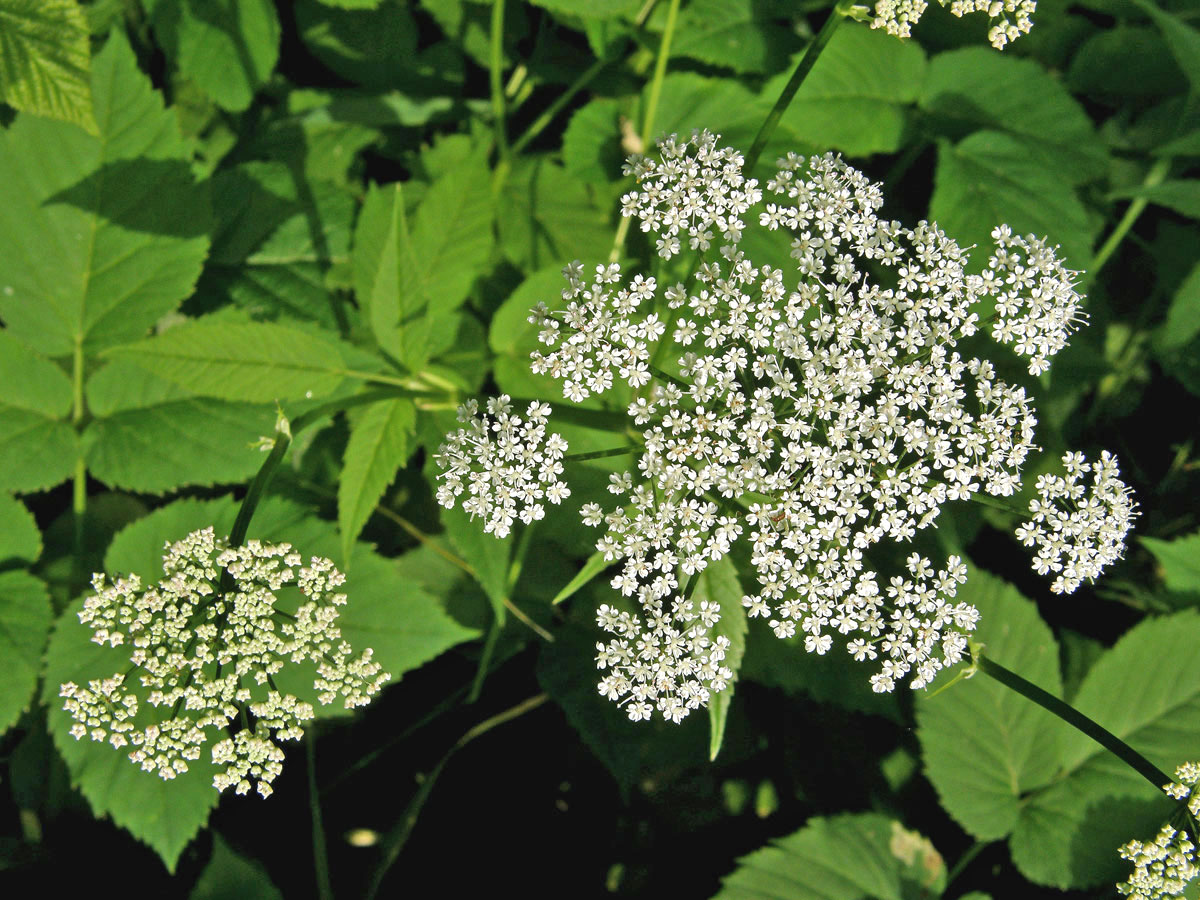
{"x": 977, "y": 88}
{"x": 487, "y": 556}
{"x": 1179, "y": 559}
{"x": 722, "y": 105}
{"x": 101, "y": 235}
{"x": 746, "y": 36}
{"x": 989, "y": 179}
{"x": 19, "y": 535}
{"x": 251, "y": 361}
{"x": 857, "y": 96}
{"x": 230, "y": 876}
{"x": 375, "y": 46}
{"x": 380, "y": 238}
{"x": 377, "y": 448}
{"x": 984, "y": 745}
{"x": 1183, "y": 315}
{"x": 1181, "y": 196}
{"x": 1183, "y": 39}
{"x": 591, "y": 147}
{"x": 228, "y": 48}
{"x": 44, "y": 60}
{"x": 37, "y": 448}
{"x": 25, "y": 620}
{"x": 1146, "y": 691}
{"x": 847, "y": 857}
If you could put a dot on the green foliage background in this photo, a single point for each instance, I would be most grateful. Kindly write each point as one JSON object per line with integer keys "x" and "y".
{"x": 212, "y": 211}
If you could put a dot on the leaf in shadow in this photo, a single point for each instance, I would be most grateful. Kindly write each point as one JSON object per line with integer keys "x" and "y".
{"x": 130, "y": 193}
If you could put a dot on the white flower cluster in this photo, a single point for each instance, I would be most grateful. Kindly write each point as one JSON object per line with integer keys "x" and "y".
{"x": 818, "y": 413}
{"x": 1079, "y": 529}
{"x": 1010, "y": 18}
{"x": 205, "y": 643}
{"x": 1164, "y": 867}
{"x": 505, "y": 460}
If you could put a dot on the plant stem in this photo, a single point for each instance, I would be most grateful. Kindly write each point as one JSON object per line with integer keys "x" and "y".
{"x": 601, "y": 454}
{"x": 548, "y": 115}
{"x": 1157, "y": 173}
{"x": 807, "y": 61}
{"x": 320, "y": 856}
{"x": 495, "y": 66}
{"x": 395, "y": 839}
{"x": 1075, "y": 718}
{"x": 965, "y": 860}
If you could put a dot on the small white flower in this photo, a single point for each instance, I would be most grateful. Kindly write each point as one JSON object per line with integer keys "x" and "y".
{"x": 1010, "y": 18}
{"x": 1164, "y": 867}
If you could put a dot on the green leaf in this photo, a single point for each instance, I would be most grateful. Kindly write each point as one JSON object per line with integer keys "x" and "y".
{"x": 25, "y": 620}
{"x": 487, "y": 556}
{"x": 37, "y": 448}
{"x": 1181, "y": 196}
{"x": 379, "y": 241}
{"x": 1146, "y": 691}
{"x": 990, "y": 179}
{"x": 593, "y": 9}
{"x": 591, "y": 147}
{"x": 228, "y": 48}
{"x": 596, "y": 563}
{"x": 1183, "y": 315}
{"x": 547, "y": 216}
{"x": 44, "y": 60}
{"x": 19, "y": 535}
{"x": 101, "y": 236}
{"x": 377, "y": 448}
{"x": 846, "y": 857}
{"x": 984, "y": 745}
{"x": 719, "y": 583}
{"x": 1124, "y": 63}
{"x": 1183, "y": 40}
{"x": 231, "y": 876}
{"x": 1180, "y": 560}
{"x": 743, "y": 35}
{"x": 976, "y": 88}
{"x": 722, "y": 105}
{"x": 251, "y": 361}
{"x": 375, "y": 47}
{"x": 856, "y": 97}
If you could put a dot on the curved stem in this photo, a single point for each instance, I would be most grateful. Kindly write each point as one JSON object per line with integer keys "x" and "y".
{"x": 1155, "y": 176}
{"x": 1075, "y": 718}
{"x": 320, "y": 856}
{"x": 807, "y": 61}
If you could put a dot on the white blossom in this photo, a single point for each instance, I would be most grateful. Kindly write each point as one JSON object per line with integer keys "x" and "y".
{"x": 204, "y": 646}
{"x": 505, "y": 463}
{"x": 1009, "y": 18}
{"x": 1165, "y": 866}
{"x": 1079, "y": 528}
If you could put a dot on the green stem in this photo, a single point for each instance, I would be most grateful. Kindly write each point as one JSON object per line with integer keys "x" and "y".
{"x": 805, "y": 66}
{"x": 985, "y": 500}
{"x": 79, "y": 481}
{"x": 320, "y": 856}
{"x": 963, "y": 861}
{"x": 1157, "y": 173}
{"x": 495, "y": 67}
{"x": 1075, "y": 718}
{"x": 601, "y": 454}
{"x": 548, "y": 115}
{"x": 485, "y": 657}
{"x": 395, "y": 839}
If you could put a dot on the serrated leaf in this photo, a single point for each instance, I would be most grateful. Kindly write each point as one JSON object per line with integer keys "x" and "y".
{"x": 160, "y": 447}
{"x": 377, "y": 448}
{"x": 1180, "y": 560}
{"x": 259, "y": 362}
{"x": 1146, "y": 691}
{"x": 25, "y": 620}
{"x": 989, "y": 179}
{"x": 1182, "y": 196}
{"x": 228, "y": 48}
{"x": 37, "y": 448}
{"x": 722, "y": 105}
{"x": 984, "y": 745}
{"x": 19, "y": 535}
{"x": 591, "y": 146}
{"x": 976, "y": 88}
{"x": 857, "y": 95}
{"x": 487, "y": 556}
{"x": 743, "y": 35}
{"x": 719, "y": 584}
{"x": 847, "y": 857}
{"x": 45, "y": 56}
{"x": 165, "y": 815}
{"x": 100, "y": 236}
{"x": 231, "y": 876}
{"x": 380, "y": 237}
{"x": 546, "y": 216}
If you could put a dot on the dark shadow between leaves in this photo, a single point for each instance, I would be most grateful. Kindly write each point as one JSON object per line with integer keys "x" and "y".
{"x": 156, "y": 196}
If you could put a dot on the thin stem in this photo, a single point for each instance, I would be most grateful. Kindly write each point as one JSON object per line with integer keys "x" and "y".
{"x": 395, "y": 840}
{"x": 495, "y": 67}
{"x": 485, "y": 658}
{"x": 550, "y": 112}
{"x": 320, "y": 856}
{"x": 601, "y": 454}
{"x": 805, "y": 66}
{"x": 985, "y": 500}
{"x": 237, "y": 534}
{"x": 963, "y": 861}
{"x": 1075, "y": 718}
{"x": 1157, "y": 173}
{"x": 79, "y": 481}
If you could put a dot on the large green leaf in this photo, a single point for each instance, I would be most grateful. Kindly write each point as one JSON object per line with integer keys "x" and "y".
{"x": 251, "y": 361}
{"x": 1180, "y": 560}
{"x": 989, "y": 179}
{"x": 984, "y": 745}
{"x": 846, "y": 857}
{"x": 44, "y": 60}
{"x": 25, "y": 620}
{"x": 1183, "y": 315}
{"x": 99, "y": 236}
{"x": 746, "y": 36}
{"x": 19, "y": 535}
{"x": 1146, "y": 691}
{"x": 228, "y": 48}
{"x": 374, "y": 47}
{"x": 722, "y": 105}
{"x": 1182, "y": 196}
{"x": 377, "y": 448}
{"x": 719, "y": 584}
{"x": 1183, "y": 39}
{"x": 857, "y": 97}
{"x": 976, "y": 88}
{"x": 591, "y": 148}
{"x": 37, "y": 448}
{"x": 230, "y": 876}
{"x": 380, "y": 237}
{"x": 487, "y": 555}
